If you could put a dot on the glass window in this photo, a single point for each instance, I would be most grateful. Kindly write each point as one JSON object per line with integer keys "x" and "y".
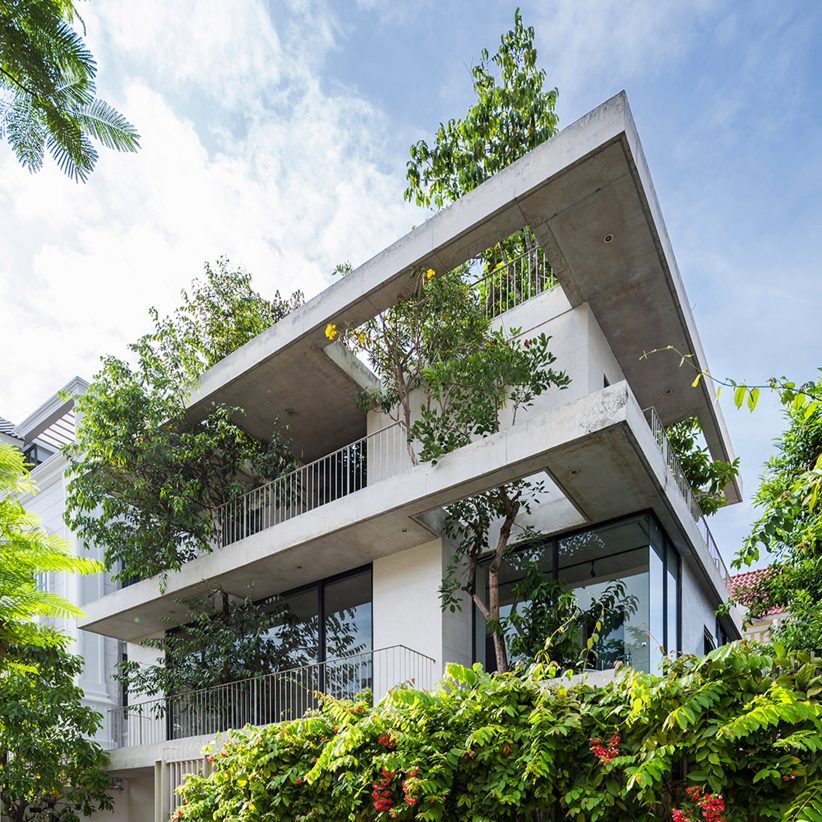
{"x": 590, "y": 561}
{"x": 348, "y": 615}
{"x": 513, "y": 570}
{"x": 347, "y": 636}
{"x": 295, "y": 628}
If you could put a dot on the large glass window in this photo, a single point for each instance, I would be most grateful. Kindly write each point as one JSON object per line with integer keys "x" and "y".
{"x": 347, "y": 615}
{"x": 588, "y": 562}
{"x": 295, "y": 627}
{"x": 326, "y": 620}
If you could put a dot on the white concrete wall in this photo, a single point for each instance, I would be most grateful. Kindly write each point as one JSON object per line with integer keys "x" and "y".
{"x": 577, "y": 342}
{"x": 407, "y": 608}
{"x": 697, "y": 612}
{"x": 134, "y": 803}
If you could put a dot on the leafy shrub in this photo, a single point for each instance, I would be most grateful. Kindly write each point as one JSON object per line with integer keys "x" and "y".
{"x": 741, "y": 728}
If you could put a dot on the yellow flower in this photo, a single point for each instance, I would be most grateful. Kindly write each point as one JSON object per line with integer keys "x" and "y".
{"x": 331, "y": 331}
{"x": 430, "y": 273}
{"x": 361, "y": 338}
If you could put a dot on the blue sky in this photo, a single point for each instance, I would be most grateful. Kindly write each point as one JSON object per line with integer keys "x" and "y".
{"x": 277, "y": 134}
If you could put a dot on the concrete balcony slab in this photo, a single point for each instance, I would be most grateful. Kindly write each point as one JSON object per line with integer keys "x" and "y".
{"x": 598, "y": 449}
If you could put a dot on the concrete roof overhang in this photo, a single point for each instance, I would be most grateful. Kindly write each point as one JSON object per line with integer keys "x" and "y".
{"x": 589, "y": 182}
{"x": 599, "y": 450}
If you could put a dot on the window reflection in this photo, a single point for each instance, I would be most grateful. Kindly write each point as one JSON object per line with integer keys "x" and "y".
{"x": 588, "y": 562}
{"x": 294, "y": 628}
{"x": 302, "y": 636}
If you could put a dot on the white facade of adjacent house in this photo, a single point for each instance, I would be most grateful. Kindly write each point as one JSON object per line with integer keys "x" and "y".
{"x": 351, "y": 544}
{"x": 40, "y": 437}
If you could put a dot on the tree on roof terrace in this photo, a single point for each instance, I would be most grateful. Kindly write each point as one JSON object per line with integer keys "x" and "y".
{"x": 146, "y": 481}
{"x": 443, "y": 370}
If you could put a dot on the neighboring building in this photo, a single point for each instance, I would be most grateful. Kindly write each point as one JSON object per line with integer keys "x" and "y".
{"x": 40, "y": 437}
{"x": 349, "y": 544}
{"x": 760, "y": 628}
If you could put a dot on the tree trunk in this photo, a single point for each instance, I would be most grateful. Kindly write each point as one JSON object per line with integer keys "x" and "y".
{"x": 511, "y": 510}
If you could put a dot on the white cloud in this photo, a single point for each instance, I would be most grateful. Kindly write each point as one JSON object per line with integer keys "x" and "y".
{"x": 282, "y": 187}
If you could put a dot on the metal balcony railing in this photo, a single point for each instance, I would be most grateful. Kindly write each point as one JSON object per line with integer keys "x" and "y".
{"x": 349, "y": 469}
{"x": 671, "y": 460}
{"x": 515, "y": 282}
{"x": 263, "y": 700}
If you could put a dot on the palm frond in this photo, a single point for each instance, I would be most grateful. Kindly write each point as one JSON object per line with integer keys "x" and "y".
{"x": 70, "y": 148}
{"x": 25, "y": 132}
{"x": 108, "y": 126}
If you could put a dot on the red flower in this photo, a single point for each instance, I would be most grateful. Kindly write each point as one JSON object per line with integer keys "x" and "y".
{"x": 605, "y": 753}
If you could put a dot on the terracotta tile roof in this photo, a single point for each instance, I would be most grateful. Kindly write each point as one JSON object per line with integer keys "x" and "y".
{"x": 742, "y": 586}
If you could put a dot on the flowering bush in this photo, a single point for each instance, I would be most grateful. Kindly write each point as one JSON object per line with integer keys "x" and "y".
{"x": 732, "y": 737}
{"x": 701, "y": 806}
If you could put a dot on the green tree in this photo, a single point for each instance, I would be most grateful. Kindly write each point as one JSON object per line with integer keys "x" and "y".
{"x": 225, "y": 639}
{"x": 707, "y": 477}
{"x": 50, "y": 769}
{"x": 26, "y": 550}
{"x": 547, "y": 623}
{"x": 740, "y": 728}
{"x": 512, "y": 114}
{"x": 439, "y": 363}
{"x": 147, "y": 482}
{"x": 469, "y": 395}
{"x": 789, "y": 526}
{"x": 47, "y": 90}
{"x": 442, "y": 366}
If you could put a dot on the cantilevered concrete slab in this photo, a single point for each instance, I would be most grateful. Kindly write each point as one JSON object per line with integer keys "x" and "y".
{"x": 598, "y": 448}
{"x": 588, "y": 194}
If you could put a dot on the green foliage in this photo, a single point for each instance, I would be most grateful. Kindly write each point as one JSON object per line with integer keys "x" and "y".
{"x": 707, "y": 477}
{"x": 465, "y": 397}
{"x": 466, "y": 394}
{"x": 439, "y": 363}
{"x": 226, "y": 639}
{"x": 47, "y": 88}
{"x": 26, "y": 550}
{"x": 790, "y": 492}
{"x": 743, "y": 723}
{"x": 512, "y": 114}
{"x": 547, "y": 623}
{"x": 789, "y": 527}
{"x": 441, "y": 319}
{"x": 50, "y": 769}
{"x": 147, "y": 480}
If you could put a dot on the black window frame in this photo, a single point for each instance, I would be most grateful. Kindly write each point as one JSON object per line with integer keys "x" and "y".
{"x": 555, "y": 539}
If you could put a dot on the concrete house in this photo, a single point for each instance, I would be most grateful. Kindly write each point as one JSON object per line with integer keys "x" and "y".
{"x": 351, "y": 540}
